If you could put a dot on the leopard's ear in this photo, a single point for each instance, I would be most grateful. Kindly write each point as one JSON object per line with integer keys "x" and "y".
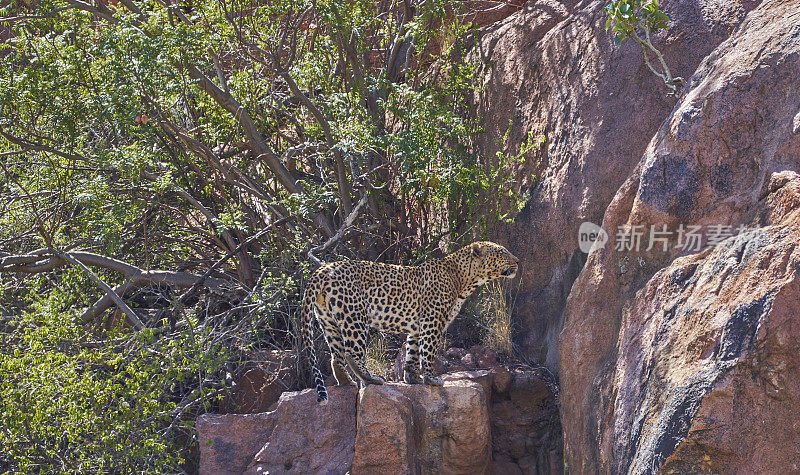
{"x": 476, "y": 250}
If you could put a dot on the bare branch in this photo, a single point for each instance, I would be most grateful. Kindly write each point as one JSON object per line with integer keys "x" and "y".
{"x": 49, "y": 14}
{"x": 99, "y": 9}
{"x": 28, "y": 145}
{"x": 340, "y": 233}
{"x": 134, "y": 319}
{"x": 43, "y": 261}
{"x": 230, "y": 254}
{"x": 223, "y": 83}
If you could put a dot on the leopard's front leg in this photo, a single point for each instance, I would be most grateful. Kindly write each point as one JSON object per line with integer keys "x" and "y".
{"x": 411, "y": 364}
{"x": 430, "y": 336}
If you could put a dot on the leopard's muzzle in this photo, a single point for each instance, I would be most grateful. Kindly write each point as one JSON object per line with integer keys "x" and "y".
{"x": 511, "y": 272}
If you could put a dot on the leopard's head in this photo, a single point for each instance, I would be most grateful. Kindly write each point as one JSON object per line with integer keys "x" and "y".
{"x": 493, "y": 260}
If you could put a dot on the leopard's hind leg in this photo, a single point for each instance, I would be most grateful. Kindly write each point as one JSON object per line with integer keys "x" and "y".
{"x": 355, "y": 352}
{"x": 338, "y": 355}
{"x": 431, "y": 331}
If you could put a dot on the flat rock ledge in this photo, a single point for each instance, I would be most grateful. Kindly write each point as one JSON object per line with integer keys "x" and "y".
{"x": 394, "y": 428}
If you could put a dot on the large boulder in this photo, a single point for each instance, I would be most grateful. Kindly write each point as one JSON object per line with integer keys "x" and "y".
{"x": 708, "y": 376}
{"x": 228, "y": 442}
{"x": 385, "y": 433}
{"x": 299, "y": 436}
{"x": 552, "y": 69}
{"x": 309, "y": 438}
{"x": 422, "y": 429}
{"x": 687, "y": 361}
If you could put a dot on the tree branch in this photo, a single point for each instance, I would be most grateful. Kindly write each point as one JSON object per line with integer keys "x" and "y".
{"x": 44, "y": 261}
{"x": 110, "y": 293}
{"x": 340, "y": 233}
{"x": 257, "y": 143}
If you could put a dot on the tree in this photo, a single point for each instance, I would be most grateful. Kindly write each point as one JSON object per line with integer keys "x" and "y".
{"x": 638, "y": 19}
{"x": 205, "y": 155}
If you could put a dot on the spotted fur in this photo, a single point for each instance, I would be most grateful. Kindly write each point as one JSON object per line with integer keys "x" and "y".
{"x": 348, "y": 297}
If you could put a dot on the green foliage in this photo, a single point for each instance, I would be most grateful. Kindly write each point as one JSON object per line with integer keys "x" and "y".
{"x": 497, "y": 177}
{"x": 626, "y": 16}
{"x": 74, "y": 402}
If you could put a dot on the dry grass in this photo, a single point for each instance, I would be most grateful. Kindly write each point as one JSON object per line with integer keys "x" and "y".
{"x": 497, "y": 319}
{"x": 380, "y": 355}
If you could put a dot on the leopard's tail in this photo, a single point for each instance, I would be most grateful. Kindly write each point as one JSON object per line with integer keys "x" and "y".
{"x": 307, "y": 342}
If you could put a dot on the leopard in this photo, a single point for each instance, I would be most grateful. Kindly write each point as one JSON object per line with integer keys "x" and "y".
{"x": 348, "y": 297}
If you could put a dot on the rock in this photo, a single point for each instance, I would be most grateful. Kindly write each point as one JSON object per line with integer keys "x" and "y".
{"x": 450, "y": 427}
{"x": 481, "y": 357}
{"x": 529, "y": 465}
{"x": 391, "y": 428}
{"x": 309, "y": 438}
{"x": 395, "y": 428}
{"x": 729, "y": 377}
{"x": 687, "y": 361}
{"x": 481, "y": 13}
{"x": 501, "y": 379}
{"x": 552, "y": 69}
{"x": 229, "y": 442}
{"x": 505, "y": 468}
{"x": 525, "y": 424}
{"x": 455, "y": 352}
{"x": 481, "y": 377}
{"x": 385, "y": 434}
{"x": 528, "y": 387}
{"x": 468, "y": 360}
{"x": 487, "y": 359}
{"x": 260, "y": 382}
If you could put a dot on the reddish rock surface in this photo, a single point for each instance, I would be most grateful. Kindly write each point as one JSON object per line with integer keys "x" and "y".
{"x": 482, "y": 13}
{"x": 524, "y": 418}
{"x": 309, "y": 438}
{"x": 452, "y": 431}
{"x": 421, "y": 429}
{"x": 501, "y": 378}
{"x": 685, "y": 361}
{"x": 299, "y": 436}
{"x": 482, "y": 377}
{"x": 385, "y": 434}
{"x": 228, "y": 442}
{"x": 525, "y": 425}
{"x": 260, "y": 382}
{"x": 552, "y": 69}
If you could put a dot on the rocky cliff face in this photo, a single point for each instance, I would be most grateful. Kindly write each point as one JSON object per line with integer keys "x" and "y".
{"x": 552, "y": 69}
{"x": 688, "y": 360}
{"x": 670, "y": 358}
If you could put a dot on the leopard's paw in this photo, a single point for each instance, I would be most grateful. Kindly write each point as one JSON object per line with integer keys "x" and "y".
{"x": 410, "y": 377}
{"x": 432, "y": 380}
